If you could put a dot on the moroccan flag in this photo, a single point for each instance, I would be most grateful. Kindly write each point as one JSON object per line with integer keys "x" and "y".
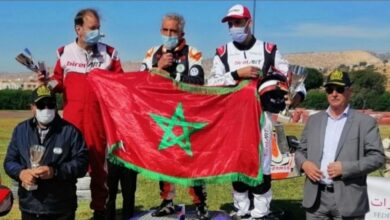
{"x": 181, "y": 133}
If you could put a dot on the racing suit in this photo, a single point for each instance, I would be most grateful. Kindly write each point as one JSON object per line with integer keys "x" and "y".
{"x": 81, "y": 107}
{"x": 187, "y": 68}
{"x": 228, "y": 59}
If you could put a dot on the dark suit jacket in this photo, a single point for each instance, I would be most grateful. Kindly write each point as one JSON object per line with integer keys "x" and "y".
{"x": 359, "y": 150}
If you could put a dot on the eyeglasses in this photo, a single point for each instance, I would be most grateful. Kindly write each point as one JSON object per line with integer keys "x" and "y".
{"x": 339, "y": 89}
{"x": 44, "y": 104}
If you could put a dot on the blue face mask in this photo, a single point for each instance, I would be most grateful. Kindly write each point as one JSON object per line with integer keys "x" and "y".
{"x": 170, "y": 42}
{"x": 93, "y": 37}
{"x": 238, "y": 34}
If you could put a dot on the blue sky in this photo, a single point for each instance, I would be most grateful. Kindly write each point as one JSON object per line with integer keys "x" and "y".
{"x": 133, "y": 26}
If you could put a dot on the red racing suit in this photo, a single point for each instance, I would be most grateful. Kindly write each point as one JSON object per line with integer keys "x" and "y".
{"x": 81, "y": 107}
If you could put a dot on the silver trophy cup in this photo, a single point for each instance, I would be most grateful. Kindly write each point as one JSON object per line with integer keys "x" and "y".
{"x": 298, "y": 76}
{"x": 36, "y": 155}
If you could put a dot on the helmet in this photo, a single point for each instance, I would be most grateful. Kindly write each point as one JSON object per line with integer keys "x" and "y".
{"x": 272, "y": 90}
{"x": 6, "y": 200}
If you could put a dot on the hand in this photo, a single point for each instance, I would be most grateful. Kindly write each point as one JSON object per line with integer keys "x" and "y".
{"x": 335, "y": 169}
{"x": 166, "y": 60}
{"x": 312, "y": 171}
{"x": 28, "y": 177}
{"x": 44, "y": 172}
{"x": 41, "y": 78}
{"x": 248, "y": 72}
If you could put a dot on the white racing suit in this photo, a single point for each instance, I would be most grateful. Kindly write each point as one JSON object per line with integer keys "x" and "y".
{"x": 228, "y": 59}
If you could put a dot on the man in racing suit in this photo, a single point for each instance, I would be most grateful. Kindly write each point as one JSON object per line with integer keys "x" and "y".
{"x": 248, "y": 58}
{"x": 183, "y": 63}
{"x": 81, "y": 107}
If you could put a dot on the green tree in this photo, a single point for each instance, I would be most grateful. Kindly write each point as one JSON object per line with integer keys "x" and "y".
{"x": 315, "y": 99}
{"x": 314, "y": 79}
{"x": 382, "y": 102}
{"x": 367, "y": 85}
{"x": 15, "y": 99}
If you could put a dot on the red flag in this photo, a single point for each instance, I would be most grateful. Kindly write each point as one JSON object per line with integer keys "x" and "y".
{"x": 181, "y": 133}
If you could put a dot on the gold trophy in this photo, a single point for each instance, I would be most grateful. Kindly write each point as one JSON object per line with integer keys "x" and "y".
{"x": 36, "y": 155}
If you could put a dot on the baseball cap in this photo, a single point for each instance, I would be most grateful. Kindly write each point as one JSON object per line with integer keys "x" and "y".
{"x": 338, "y": 78}
{"x": 237, "y": 12}
{"x": 41, "y": 92}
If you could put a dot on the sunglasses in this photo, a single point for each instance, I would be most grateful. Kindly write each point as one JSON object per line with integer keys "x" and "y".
{"x": 43, "y": 105}
{"x": 330, "y": 89}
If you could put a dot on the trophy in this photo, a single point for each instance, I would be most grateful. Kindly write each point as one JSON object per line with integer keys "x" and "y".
{"x": 36, "y": 155}
{"x": 26, "y": 59}
{"x": 298, "y": 76}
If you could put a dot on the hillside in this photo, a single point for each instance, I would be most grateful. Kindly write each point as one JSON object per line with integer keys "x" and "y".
{"x": 351, "y": 60}
{"x": 324, "y": 61}
{"x": 331, "y": 60}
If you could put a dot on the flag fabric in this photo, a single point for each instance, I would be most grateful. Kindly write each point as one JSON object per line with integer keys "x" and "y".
{"x": 181, "y": 133}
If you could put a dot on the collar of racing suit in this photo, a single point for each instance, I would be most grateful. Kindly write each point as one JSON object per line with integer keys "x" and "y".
{"x": 94, "y": 48}
{"x": 248, "y": 46}
{"x": 182, "y": 43}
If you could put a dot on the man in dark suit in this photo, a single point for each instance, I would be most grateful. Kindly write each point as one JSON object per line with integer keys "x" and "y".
{"x": 339, "y": 147}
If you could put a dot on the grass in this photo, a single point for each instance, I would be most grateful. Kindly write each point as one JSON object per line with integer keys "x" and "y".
{"x": 287, "y": 193}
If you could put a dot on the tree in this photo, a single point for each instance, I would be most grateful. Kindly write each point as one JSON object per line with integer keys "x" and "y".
{"x": 367, "y": 85}
{"x": 315, "y": 99}
{"x": 382, "y": 102}
{"x": 314, "y": 79}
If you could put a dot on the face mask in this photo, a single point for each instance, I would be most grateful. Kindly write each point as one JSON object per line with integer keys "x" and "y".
{"x": 238, "y": 34}
{"x": 45, "y": 116}
{"x": 93, "y": 37}
{"x": 170, "y": 42}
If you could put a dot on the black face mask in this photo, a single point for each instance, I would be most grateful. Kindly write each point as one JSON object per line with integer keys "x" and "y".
{"x": 273, "y": 101}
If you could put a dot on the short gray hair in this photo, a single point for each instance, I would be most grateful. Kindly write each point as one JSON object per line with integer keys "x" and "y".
{"x": 176, "y": 17}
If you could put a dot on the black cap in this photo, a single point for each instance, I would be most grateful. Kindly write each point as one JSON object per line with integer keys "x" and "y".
{"x": 41, "y": 92}
{"x": 338, "y": 78}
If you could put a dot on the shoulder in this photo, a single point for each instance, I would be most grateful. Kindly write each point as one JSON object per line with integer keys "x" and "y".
{"x": 269, "y": 47}
{"x": 60, "y": 51}
{"x": 194, "y": 53}
{"x": 317, "y": 116}
{"x": 24, "y": 125}
{"x": 152, "y": 51}
{"x": 221, "y": 50}
{"x": 68, "y": 128}
{"x": 67, "y": 48}
{"x": 363, "y": 118}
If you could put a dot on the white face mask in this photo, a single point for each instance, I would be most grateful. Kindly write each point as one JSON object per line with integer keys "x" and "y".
{"x": 45, "y": 116}
{"x": 238, "y": 34}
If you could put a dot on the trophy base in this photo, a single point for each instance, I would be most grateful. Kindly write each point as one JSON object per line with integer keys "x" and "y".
{"x": 30, "y": 187}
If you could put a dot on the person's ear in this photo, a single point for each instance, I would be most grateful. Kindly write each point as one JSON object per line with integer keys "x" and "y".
{"x": 77, "y": 29}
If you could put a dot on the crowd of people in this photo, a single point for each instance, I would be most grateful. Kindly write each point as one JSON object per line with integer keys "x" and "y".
{"x": 339, "y": 146}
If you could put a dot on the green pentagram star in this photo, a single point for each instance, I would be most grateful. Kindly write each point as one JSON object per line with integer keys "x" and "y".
{"x": 167, "y": 124}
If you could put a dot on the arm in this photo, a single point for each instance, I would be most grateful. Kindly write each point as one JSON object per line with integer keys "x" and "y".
{"x": 373, "y": 154}
{"x": 13, "y": 165}
{"x": 147, "y": 61}
{"x": 219, "y": 76}
{"x": 116, "y": 65}
{"x": 56, "y": 81}
{"x": 78, "y": 165}
{"x": 311, "y": 169}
